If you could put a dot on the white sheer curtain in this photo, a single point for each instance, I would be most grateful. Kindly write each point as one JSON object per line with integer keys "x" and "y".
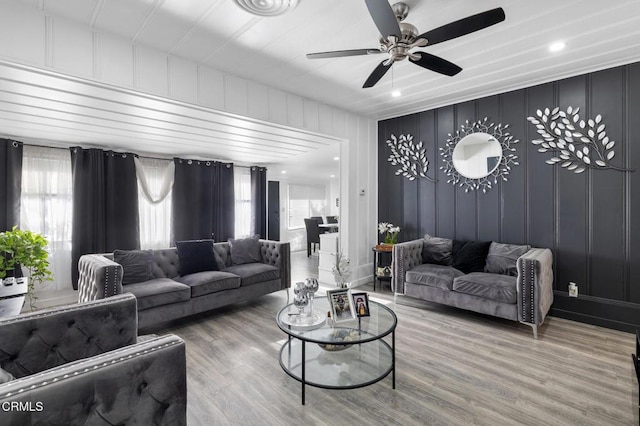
{"x": 155, "y": 180}
{"x": 46, "y": 206}
{"x": 242, "y": 190}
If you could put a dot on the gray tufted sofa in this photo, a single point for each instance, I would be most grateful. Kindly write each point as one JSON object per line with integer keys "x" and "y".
{"x": 84, "y": 364}
{"x": 169, "y": 296}
{"x": 525, "y": 298}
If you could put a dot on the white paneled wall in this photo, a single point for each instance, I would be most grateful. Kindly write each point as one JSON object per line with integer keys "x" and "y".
{"x": 29, "y": 36}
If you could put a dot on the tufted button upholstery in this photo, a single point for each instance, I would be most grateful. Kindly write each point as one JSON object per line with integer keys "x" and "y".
{"x": 113, "y": 380}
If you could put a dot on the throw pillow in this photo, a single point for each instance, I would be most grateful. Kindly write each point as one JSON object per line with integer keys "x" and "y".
{"x": 196, "y": 256}
{"x": 136, "y": 265}
{"x": 502, "y": 258}
{"x": 5, "y": 376}
{"x": 470, "y": 256}
{"x": 246, "y": 250}
{"x": 437, "y": 250}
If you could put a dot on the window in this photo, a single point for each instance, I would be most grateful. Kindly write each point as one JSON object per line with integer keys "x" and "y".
{"x": 155, "y": 217}
{"x": 47, "y": 204}
{"x": 305, "y": 201}
{"x": 242, "y": 190}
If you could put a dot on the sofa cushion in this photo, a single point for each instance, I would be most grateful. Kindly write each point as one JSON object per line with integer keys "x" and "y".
{"x": 245, "y": 250}
{"x": 437, "y": 250}
{"x": 254, "y": 273}
{"x": 158, "y": 292}
{"x": 470, "y": 256}
{"x": 5, "y": 376}
{"x": 433, "y": 275}
{"x": 501, "y": 288}
{"x": 502, "y": 258}
{"x": 136, "y": 265}
{"x": 196, "y": 256}
{"x": 209, "y": 282}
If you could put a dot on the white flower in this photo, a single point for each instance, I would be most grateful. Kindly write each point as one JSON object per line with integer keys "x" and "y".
{"x": 394, "y": 230}
{"x": 383, "y": 227}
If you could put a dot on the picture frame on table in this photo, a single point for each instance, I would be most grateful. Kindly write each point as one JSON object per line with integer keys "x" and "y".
{"x": 361, "y": 304}
{"x": 341, "y": 304}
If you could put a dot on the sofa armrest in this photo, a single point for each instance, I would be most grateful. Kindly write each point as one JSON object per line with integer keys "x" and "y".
{"x": 99, "y": 278}
{"x": 278, "y": 254}
{"x": 405, "y": 256}
{"x": 144, "y": 383}
{"x": 535, "y": 285}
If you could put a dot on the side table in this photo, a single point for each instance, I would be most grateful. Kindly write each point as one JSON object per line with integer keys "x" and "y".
{"x": 379, "y": 252}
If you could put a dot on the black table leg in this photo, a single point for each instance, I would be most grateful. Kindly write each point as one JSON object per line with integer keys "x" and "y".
{"x": 303, "y": 371}
{"x": 393, "y": 358}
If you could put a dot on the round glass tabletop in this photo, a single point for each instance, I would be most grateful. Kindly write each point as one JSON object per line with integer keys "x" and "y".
{"x": 380, "y": 322}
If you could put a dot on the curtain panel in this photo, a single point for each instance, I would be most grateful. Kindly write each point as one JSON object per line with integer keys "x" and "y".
{"x": 202, "y": 200}
{"x": 10, "y": 183}
{"x": 105, "y": 203}
{"x": 259, "y": 201}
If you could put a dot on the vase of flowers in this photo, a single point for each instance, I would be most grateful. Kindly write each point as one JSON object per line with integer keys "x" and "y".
{"x": 389, "y": 231}
{"x": 341, "y": 270}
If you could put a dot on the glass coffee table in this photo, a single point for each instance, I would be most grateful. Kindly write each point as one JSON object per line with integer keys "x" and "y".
{"x": 345, "y": 355}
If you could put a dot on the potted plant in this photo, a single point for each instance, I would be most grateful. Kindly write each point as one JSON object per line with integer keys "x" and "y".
{"x": 389, "y": 231}
{"x": 27, "y": 250}
{"x": 341, "y": 270}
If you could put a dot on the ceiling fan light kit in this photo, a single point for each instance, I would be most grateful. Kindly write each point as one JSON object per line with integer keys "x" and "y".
{"x": 398, "y": 39}
{"x": 267, "y": 7}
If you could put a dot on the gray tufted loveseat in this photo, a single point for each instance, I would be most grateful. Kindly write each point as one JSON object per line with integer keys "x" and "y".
{"x": 524, "y": 294}
{"x": 169, "y": 296}
{"x": 85, "y": 364}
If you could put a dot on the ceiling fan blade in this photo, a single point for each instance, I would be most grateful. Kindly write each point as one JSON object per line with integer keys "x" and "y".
{"x": 377, "y": 74}
{"x": 464, "y": 26}
{"x": 437, "y": 64}
{"x": 384, "y": 18}
{"x": 342, "y": 53}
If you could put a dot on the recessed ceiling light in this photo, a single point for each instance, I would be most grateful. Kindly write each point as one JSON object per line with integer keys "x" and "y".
{"x": 332, "y": 176}
{"x": 283, "y": 172}
{"x": 267, "y": 7}
{"x": 336, "y": 158}
{"x": 396, "y": 93}
{"x": 557, "y": 46}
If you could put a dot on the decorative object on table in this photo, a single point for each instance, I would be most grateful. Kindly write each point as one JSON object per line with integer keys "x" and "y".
{"x": 311, "y": 286}
{"x": 341, "y": 306}
{"x": 472, "y": 168}
{"x": 575, "y": 144}
{"x": 28, "y": 250}
{"x": 389, "y": 231}
{"x": 340, "y": 335}
{"x": 361, "y": 304}
{"x": 410, "y": 157}
{"x": 342, "y": 270}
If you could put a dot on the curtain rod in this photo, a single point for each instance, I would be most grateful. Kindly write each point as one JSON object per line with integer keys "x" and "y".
{"x": 141, "y": 156}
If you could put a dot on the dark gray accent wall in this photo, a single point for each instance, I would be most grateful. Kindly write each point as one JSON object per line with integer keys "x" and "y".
{"x": 591, "y": 221}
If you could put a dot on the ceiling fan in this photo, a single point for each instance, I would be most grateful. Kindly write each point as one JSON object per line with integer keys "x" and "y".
{"x": 399, "y": 38}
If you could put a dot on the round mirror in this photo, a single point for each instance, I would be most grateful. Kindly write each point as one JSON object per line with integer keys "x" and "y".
{"x": 477, "y": 155}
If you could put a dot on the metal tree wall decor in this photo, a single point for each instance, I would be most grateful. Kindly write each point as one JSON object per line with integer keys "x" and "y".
{"x": 574, "y": 143}
{"x": 409, "y": 156}
{"x": 508, "y": 159}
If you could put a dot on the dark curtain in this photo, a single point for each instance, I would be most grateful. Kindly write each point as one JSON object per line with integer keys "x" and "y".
{"x": 192, "y": 200}
{"x": 224, "y": 203}
{"x": 105, "y": 204}
{"x": 10, "y": 183}
{"x": 259, "y": 201}
{"x": 202, "y": 201}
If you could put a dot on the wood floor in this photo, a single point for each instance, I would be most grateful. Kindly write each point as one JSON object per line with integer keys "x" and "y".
{"x": 453, "y": 367}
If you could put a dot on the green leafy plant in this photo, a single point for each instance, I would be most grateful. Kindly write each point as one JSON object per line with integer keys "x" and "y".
{"x": 25, "y": 249}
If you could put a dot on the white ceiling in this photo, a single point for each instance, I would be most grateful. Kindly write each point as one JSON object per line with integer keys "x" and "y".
{"x": 271, "y": 51}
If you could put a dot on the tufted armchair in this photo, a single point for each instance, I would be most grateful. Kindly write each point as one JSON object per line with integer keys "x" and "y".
{"x": 84, "y": 364}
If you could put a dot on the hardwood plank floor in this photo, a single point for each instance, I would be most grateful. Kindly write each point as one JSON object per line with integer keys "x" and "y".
{"x": 453, "y": 368}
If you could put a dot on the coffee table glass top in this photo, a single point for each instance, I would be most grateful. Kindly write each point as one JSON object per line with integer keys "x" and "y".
{"x": 379, "y": 323}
